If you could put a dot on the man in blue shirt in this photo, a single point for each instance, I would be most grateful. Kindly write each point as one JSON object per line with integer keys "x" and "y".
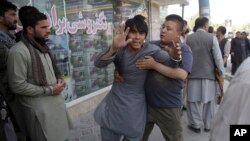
{"x": 163, "y": 89}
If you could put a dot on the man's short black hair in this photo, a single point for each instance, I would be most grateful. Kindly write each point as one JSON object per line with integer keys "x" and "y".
{"x": 178, "y": 19}
{"x": 210, "y": 29}
{"x": 222, "y": 29}
{"x": 26, "y": 11}
{"x": 31, "y": 19}
{"x": 244, "y": 32}
{"x": 137, "y": 24}
{"x": 5, "y": 6}
{"x": 200, "y": 22}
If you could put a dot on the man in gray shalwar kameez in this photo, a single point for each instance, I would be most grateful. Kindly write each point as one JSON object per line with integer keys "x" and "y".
{"x": 201, "y": 84}
{"x": 36, "y": 83}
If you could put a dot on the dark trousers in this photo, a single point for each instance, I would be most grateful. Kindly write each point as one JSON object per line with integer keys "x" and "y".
{"x": 164, "y": 118}
{"x": 235, "y": 66}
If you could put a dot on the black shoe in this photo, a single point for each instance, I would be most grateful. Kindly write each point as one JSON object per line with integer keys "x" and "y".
{"x": 184, "y": 108}
{"x": 196, "y": 130}
{"x": 206, "y": 130}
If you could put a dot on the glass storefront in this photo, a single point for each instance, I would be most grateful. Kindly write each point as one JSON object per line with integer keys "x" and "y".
{"x": 80, "y": 29}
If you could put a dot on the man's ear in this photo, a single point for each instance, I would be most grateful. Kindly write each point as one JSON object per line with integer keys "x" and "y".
{"x": 179, "y": 35}
{"x": 30, "y": 30}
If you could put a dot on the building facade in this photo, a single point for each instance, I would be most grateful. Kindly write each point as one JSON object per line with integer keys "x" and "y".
{"x": 80, "y": 29}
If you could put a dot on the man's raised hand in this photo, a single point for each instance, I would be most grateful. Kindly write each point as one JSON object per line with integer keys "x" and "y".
{"x": 120, "y": 38}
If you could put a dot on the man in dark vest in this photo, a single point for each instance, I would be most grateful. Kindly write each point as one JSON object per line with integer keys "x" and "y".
{"x": 201, "y": 83}
{"x": 224, "y": 43}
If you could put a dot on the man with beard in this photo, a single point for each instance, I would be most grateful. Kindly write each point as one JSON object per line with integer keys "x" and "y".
{"x": 8, "y": 20}
{"x": 36, "y": 82}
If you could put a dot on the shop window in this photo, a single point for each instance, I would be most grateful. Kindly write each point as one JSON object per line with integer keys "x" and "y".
{"x": 80, "y": 29}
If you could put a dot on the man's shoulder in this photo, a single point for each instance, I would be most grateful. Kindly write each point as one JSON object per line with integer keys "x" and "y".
{"x": 198, "y": 35}
{"x": 19, "y": 47}
{"x": 201, "y": 32}
{"x": 210, "y": 35}
{"x": 185, "y": 48}
{"x": 2, "y": 45}
{"x": 155, "y": 42}
{"x": 3, "y": 51}
{"x": 184, "y": 45}
{"x": 224, "y": 41}
{"x": 191, "y": 36}
{"x": 151, "y": 46}
{"x": 228, "y": 41}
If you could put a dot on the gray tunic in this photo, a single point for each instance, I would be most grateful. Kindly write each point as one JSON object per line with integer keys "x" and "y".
{"x": 124, "y": 109}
